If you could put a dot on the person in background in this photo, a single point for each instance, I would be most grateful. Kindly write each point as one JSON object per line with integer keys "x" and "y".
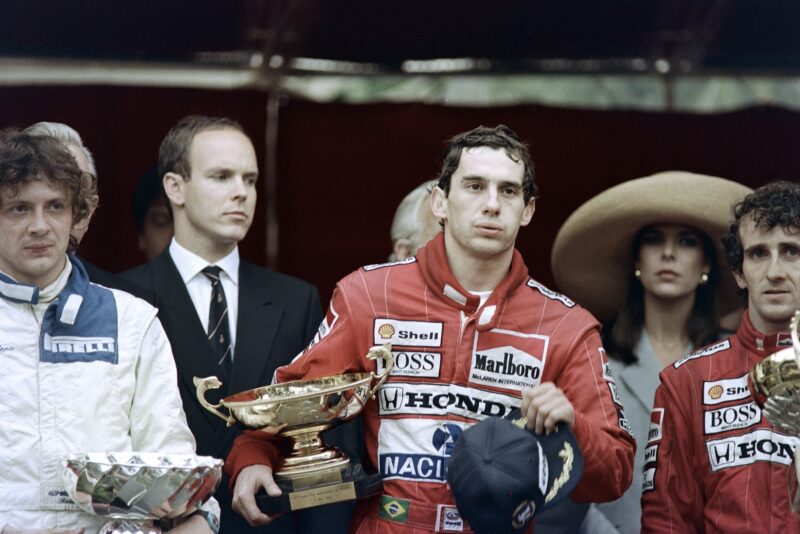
{"x": 657, "y": 279}
{"x": 71, "y": 139}
{"x": 413, "y": 224}
{"x": 224, "y": 316}
{"x": 473, "y": 335}
{"x": 85, "y": 368}
{"x": 713, "y": 461}
{"x": 151, "y": 214}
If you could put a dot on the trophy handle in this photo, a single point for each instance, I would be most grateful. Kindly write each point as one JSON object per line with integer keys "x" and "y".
{"x": 384, "y": 352}
{"x": 203, "y": 385}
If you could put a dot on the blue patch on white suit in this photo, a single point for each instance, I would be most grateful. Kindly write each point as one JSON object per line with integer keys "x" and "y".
{"x": 81, "y": 326}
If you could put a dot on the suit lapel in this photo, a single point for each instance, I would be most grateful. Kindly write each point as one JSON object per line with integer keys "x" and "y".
{"x": 258, "y": 322}
{"x": 193, "y": 353}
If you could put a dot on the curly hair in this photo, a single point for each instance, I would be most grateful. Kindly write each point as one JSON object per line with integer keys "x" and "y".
{"x": 775, "y": 204}
{"x": 498, "y": 137}
{"x": 25, "y": 158}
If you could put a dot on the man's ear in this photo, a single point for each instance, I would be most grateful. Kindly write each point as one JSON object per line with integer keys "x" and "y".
{"x": 174, "y": 188}
{"x": 739, "y": 277}
{"x": 527, "y": 212}
{"x": 439, "y": 203}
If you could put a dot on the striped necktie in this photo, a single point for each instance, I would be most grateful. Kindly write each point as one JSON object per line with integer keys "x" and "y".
{"x": 218, "y": 330}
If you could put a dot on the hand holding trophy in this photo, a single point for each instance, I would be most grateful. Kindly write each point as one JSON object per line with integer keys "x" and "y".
{"x": 313, "y": 474}
{"x": 777, "y": 377}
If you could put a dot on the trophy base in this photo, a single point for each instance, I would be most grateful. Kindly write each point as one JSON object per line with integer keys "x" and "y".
{"x": 340, "y": 485}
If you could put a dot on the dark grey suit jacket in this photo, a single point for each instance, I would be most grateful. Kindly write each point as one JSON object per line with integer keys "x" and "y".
{"x": 278, "y": 315}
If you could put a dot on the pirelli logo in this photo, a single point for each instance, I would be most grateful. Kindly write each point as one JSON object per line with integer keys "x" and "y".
{"x": 78, "y": 344}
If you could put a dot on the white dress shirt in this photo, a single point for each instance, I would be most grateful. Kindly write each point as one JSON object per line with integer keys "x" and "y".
{"x": 190, "y": 267}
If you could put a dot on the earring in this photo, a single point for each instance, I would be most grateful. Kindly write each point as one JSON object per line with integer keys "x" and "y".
{"x": 704, "y": 278}
{"x": 637, "y": 273}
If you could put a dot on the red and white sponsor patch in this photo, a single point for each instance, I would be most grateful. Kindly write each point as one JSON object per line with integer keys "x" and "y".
{"x": 508, "y": 359}
{"x": 656, "y": 431}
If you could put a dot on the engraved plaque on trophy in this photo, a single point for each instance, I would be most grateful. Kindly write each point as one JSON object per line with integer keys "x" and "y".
{"x": 777, "y": 378}
{"x": 313, "y": 474}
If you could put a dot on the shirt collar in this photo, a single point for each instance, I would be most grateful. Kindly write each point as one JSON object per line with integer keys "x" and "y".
{"x": 190, "y": 264}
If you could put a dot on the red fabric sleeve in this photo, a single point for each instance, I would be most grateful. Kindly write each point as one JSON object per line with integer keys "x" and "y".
{"x": 607, "y": 447}
{"x": 672, "y": 500}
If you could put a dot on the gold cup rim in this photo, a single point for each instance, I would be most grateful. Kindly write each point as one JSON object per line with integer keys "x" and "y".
{"x": 256, "y": 395}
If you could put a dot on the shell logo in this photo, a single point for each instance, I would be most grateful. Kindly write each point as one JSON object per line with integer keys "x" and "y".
{"x": 386, "y": 331}
{"x": 715, "y": 392}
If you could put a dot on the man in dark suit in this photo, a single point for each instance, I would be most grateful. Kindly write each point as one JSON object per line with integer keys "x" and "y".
{"x": 223, "y": 316}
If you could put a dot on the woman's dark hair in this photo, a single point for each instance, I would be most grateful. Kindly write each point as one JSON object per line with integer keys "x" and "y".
{"x": 622, "y": 334}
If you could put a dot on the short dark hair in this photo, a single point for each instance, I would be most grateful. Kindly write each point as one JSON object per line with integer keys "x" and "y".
{"x": 173, "y": 155}
{"x": 25, "y": 158}
{"x": 498, "y": 137}
{"x": 771, "y": 205}
{"x": 149, "y": 188}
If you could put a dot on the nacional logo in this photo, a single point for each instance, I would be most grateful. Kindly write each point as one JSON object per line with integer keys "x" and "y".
{"x": 407, "y": 333}
{"x": 424, "y": 458}
{"x": 731, "y": 418}
{"x": 761, "y": 445}
{"x": 386, "y": 331}
{"x": 729, "y": 389}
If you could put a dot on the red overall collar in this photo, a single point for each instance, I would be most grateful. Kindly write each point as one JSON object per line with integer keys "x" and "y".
{"x": 437, "y": 274}
{"x": 757, "y": 341}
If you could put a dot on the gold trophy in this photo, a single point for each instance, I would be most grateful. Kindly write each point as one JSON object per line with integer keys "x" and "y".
{"x": 313, "y": 474}
{"x": 777, "y": 377}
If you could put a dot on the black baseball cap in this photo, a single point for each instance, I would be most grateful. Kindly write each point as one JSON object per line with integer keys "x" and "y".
{"x": 502, "y": 474}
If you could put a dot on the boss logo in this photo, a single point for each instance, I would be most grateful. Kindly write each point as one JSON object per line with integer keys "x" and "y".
{"x": 732, "y": 417}
{"x": 408, "y": 363}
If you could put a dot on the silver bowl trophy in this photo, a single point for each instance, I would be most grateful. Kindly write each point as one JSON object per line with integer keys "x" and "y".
{"x": 777, "y": 378}
{"x": 313, "y": 474}
{"x": 137, "y": 489}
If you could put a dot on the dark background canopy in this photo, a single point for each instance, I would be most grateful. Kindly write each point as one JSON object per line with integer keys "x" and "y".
{"x": 340, "y": 169}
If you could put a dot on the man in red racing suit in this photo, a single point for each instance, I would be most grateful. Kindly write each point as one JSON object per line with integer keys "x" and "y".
{"x": 459, "y": 357}
{"x": 713, "y": 462}
{"x": 456, "y": 363}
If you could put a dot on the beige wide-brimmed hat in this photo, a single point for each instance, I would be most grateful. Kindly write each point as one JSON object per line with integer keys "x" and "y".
{"x": 592, "y": 255}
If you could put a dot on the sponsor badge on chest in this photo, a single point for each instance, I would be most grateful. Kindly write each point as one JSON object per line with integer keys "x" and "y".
{"x": 508, "y": 359}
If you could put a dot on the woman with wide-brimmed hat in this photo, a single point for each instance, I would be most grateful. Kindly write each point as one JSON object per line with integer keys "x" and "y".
{"x": 645, "y": 258}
